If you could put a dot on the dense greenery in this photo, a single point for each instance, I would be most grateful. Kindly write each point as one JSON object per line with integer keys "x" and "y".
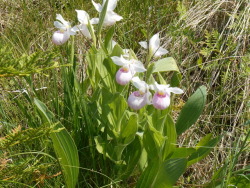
{"x": 47, "y": 98}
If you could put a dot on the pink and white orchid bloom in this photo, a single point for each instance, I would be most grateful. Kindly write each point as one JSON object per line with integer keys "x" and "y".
{"x": 62, "y": 35}
{"x": 111, "y": 17}
{"x": 139, "y": 99}
{"x": 128, "y": 70}
{"x": 83, "y": 18}
{"x": 154, "y": 46}
{"x": 161, "y": 99}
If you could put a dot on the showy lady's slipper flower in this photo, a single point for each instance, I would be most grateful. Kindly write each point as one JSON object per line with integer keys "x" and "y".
{"x": 62, "y": 35}
{"x": 111, "y": 17}
{"x": 161, "y": 99}
{"x": 139, "y": 99}
{"x": 83, "y": 18}
{"x": 154, "y": 46}
{"x": 128, "y": 70}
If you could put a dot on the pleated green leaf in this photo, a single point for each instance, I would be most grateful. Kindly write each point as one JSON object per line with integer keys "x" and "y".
{"x": 169, "y": 172}
{"x": 148, "y": 175}
{"x": 203, "y": 148}
{"x": 192, "y": 110}
{"x": 171, "y": 137}
{"x": 183, "y": 152}
{"x": 108, "y": 39}
{"x": 162, "y": 175}
{"x": 165, "y": 64}
{"x": 153, "y": 142}
{"x": 64, "y": 146}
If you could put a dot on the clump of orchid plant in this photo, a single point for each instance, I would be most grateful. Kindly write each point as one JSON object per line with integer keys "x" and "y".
{"x": 129, "y": 65}
{"x": 152, "y": 131}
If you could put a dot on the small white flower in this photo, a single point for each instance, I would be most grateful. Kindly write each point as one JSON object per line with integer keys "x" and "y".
{"x": 140, "y": 98}
{"x": 111, "y": 17}
{"x": 154, "y": 46}
{"x": 128, "y": 70}
{"x": 83, "y": 18}
{"x": 161, "y": 98}
{"x": 62, "y": 35}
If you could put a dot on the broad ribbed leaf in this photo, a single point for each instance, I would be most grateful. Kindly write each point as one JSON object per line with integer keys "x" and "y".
{"x": 166, "y": 64}
{"x": 132, "y": 155}
{"x": 162, "y": 175}
{"x": 153, "y": 142}
{"x": 191, "y": 110}
{"x": 176, "y": 79}
{"x": 111, "y": 149}
{"x": 128, "y": 128}
{"x": 108, "y": 39}
{"x": 117, "y": 51}
{"x": 203, "y": 148}
{"x": 64, "y": 147}
{"x": 171, "y": 137}
{"x": 149, "y": 174}
{"x": 169, "y": 172}
{"x": 183, "y": 152}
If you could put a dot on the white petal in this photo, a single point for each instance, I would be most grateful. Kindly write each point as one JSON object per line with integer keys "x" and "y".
{"x": 110, "y": 18}
{"x": 139, "y": 84}
{"x": 94, "y": 21}
{"x": 116, "y": 17}
{"x": 152, "y": 87}
{"x": 82, "y": 16}
{"x": 155, "y": 86}
{"x": 71, "y": 32}
{"x": 136, "y": 79}
{"x": 84, "y": 30}
{"x": 138, "y": 66}
{"x": 175, "y": 90}
{"x": 75, "y": 28}
{"x": 97, "y": 6}
{"x": 154, "y": 43}
{"x": 119, "y": 61}
{"x": 60, "y": 18}
{"x": 159, "y": 87}
{"x": 59, "y": 25}
{"x": 144, "y": 44}
{"x": 161, "y": 51}
{"x": 111, "y": 4}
